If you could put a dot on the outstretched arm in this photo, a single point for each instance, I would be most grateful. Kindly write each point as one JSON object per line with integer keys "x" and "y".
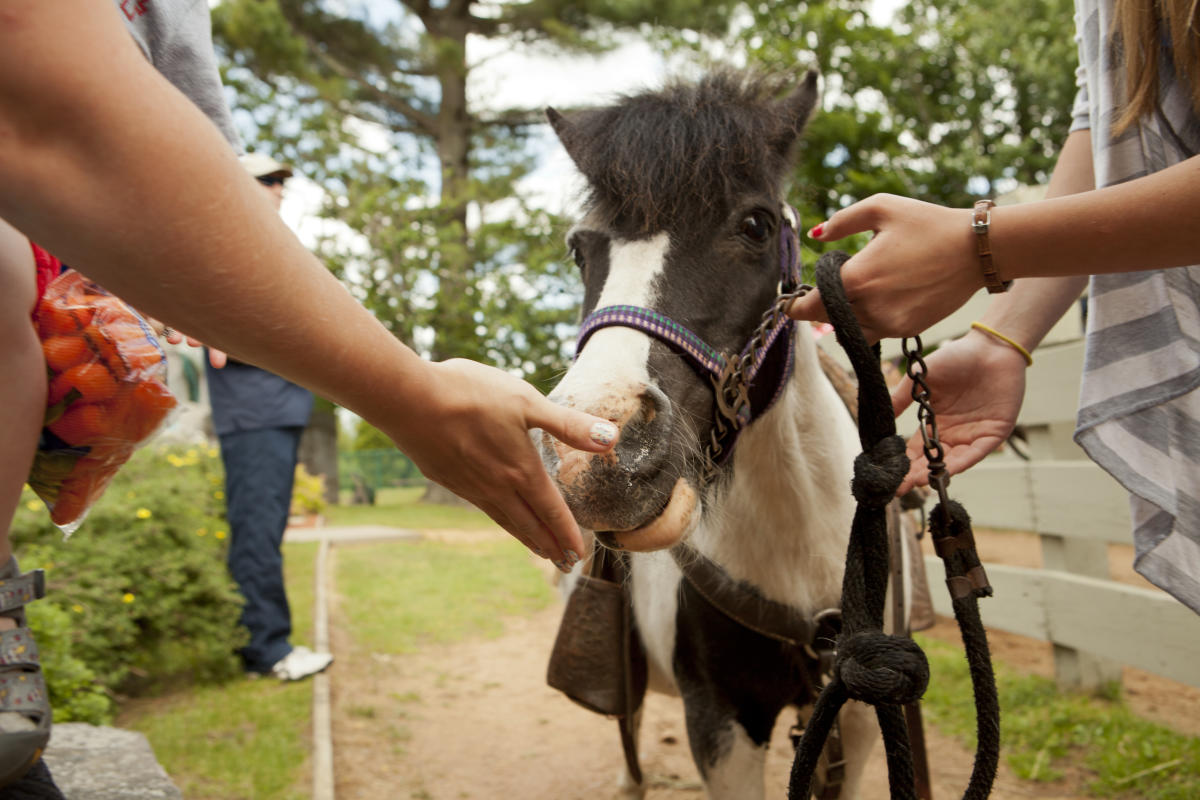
{"x": 109, "y": 167}
{"x": 921, "y": 264}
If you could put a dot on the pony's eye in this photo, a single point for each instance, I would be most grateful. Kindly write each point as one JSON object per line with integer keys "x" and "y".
{"x": 577, "y": 254}
{"x": 756, "y": 227}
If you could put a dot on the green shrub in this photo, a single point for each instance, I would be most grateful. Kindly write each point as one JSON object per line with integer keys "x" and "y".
{"x": 75, "y": 693}
{"x": 308, "y": 493}
{"x": 143, "y": 582}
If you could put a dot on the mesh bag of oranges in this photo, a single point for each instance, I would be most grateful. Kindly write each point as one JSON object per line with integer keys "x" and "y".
{"x": 107, "y": 394}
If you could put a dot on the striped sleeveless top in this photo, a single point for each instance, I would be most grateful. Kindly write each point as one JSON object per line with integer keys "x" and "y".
{"x": 1139, "y": 413}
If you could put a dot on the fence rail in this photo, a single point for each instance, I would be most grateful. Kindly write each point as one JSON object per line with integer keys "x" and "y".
{"x": 1096, "y": 624}
{"x": 1117, "y": 623}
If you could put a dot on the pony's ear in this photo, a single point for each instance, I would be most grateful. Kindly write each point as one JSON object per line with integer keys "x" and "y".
{"x": 795, "y": 110}
{"x": 565, "y": 132}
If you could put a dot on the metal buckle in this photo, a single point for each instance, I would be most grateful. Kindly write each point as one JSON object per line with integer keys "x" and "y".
{"x": 827, "y": 624}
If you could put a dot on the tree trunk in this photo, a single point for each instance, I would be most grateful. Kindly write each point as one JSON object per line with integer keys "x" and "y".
{"x": 436, "y": 493}
{"x": 318, "y": 449}
{"x": 455, "y": 303}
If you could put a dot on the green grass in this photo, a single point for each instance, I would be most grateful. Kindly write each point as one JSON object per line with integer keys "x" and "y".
{"x": 246, "y": 739}
{"x": 407, "y": 594}
{"x": 1043, "y": 731}
{"x": 249, "y": 739}
{"x": 400, "y": 508}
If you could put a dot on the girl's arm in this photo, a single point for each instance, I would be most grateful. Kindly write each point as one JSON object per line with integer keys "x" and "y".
{"x": 922, "y": 263}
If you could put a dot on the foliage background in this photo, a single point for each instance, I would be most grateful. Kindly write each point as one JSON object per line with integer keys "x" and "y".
{"x": 428, "y": 224}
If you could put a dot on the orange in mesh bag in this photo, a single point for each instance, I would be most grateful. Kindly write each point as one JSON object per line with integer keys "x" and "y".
{"x": 107, "y": 394}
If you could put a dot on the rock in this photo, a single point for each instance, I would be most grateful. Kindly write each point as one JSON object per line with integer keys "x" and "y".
{"x": 96, "y": 763}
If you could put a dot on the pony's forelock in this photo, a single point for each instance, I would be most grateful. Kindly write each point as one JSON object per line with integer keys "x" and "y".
{"x": 678, "y": 155}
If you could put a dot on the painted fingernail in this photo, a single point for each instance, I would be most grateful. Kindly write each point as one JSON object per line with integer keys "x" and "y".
{"x": 816, "y": 232}
{"x": 604, "y": 433}
{"x": 539, "y": 552}
{"x": 562, "y": 566}
{"x": 572, "y": 558}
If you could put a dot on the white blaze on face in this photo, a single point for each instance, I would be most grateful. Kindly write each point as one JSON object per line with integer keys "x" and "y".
{"x": 611, "y": 372}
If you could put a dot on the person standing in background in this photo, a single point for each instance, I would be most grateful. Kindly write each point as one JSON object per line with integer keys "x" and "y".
{"x": 258, "y": 418}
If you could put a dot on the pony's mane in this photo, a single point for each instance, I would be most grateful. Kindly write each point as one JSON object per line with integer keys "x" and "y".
{"x": 683, "y": 152}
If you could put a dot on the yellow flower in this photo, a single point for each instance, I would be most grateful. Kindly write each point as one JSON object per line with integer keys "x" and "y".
{"x": 128, "y": 598}
{"x": 218, "y": 494}
{"x": 219, "y": 534}
{"x": 213, "y": 452}
{"x": 192, "y": 454}
{"x": 201, "y": 531}
{"x": 174, "y": 460}
{"x": 143, "y": 513}
{"x": 78, "y": 609}
{"x": 33, "y": 505}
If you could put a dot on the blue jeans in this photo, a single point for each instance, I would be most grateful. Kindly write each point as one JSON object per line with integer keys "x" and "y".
{"x": 260, "y": 466}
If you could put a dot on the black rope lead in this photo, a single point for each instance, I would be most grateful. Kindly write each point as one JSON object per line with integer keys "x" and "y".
{"x": 888, "y": 671}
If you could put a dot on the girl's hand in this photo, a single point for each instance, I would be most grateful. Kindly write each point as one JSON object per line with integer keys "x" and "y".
{"x": 470, "y": 433}
{"x": 920, "y": 266}
{"x": 217, "y": 358}
{"x": 976, "y": 386}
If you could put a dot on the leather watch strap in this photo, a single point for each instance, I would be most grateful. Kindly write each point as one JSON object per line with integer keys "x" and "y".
{"x": 981, "y": 221}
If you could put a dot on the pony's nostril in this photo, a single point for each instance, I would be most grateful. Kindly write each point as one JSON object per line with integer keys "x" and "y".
{"x": 655, "y": 407}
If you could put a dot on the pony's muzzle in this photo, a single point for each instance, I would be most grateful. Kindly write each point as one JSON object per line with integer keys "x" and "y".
{"x": 630, "y": 485}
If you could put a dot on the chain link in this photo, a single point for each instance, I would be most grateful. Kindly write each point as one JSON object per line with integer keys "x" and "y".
{"x": 731, "y": 388}
{"x": 939, "y": 479}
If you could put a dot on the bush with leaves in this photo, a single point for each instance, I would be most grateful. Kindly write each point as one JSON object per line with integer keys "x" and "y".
{"x": 143, "y": 583}
{"x": 308, "y": 493}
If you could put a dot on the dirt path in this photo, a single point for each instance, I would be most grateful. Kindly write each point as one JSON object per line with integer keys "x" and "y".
{"x": 477, "y": 720}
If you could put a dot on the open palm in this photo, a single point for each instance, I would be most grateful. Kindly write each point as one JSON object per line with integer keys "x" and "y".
{"x": 975, "y": 389}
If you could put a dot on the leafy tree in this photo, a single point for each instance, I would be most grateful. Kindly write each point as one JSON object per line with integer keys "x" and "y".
{"x": 950, "y": 102}
{"x": 368, "y": 437}
{"x": 373, "y": 106}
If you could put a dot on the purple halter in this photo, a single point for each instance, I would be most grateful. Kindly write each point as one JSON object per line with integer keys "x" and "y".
{"x": 772, "y": 367}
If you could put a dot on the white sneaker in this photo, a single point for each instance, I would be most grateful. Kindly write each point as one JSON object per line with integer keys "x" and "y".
{"x": 300, "y": 663}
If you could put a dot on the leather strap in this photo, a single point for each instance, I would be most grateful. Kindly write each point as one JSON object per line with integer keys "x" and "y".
{"x": 981, "y": 221}
{"x": 742, "y": 604}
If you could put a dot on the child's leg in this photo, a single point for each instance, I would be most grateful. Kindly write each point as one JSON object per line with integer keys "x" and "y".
{"x": 24, "y": 728}
{"x": 22, "y": 378}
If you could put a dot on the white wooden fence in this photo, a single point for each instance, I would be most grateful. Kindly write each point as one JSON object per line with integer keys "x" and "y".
{"x": 1095, "y": 624}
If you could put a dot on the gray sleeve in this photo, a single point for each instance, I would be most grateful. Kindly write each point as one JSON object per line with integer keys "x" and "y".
{"x": 186, "y": 58}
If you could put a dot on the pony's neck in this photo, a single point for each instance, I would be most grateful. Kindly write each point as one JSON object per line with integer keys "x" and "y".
{"x": 783, "y": 519}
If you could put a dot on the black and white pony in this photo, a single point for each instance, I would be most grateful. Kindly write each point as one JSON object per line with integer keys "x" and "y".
{"x": 684, "y": 244}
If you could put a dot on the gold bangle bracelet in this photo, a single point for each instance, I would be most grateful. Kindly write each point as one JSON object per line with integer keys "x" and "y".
{"x": 1025, "y": 354}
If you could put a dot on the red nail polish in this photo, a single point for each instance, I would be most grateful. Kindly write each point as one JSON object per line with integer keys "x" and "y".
{"x": 816, "y": 232}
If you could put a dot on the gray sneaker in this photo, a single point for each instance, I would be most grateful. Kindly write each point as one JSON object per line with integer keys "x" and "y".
{"x": 300, "y": 663}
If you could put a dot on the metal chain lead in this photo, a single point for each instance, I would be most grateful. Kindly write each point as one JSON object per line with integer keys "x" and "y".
{"x": 731, "y": 388}
{"x": 939, "y": 479}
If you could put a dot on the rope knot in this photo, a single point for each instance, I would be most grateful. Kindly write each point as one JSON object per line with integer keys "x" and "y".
{"x": 881, "y": 669}
{"x": 879, "y": 471}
